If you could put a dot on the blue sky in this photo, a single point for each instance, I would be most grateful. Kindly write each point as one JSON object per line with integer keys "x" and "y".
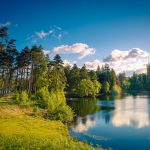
{"x": 103, "y": 25}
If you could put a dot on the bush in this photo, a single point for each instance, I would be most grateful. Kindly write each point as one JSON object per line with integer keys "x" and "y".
{"x": 63, "y": 113}
{"x": 17, "y": 97}
{"x": 22, "y": 98}
{"x": 50, "y": 100}
{"x": 57, "y": 99}
{"x": 55, "y": 102}
{"x": 42, "y": 97}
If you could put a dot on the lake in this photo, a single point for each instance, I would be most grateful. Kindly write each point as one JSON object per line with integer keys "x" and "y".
{"x": 122, "y": 123}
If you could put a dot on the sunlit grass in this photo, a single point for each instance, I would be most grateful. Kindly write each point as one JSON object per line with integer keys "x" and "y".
{"x": 20, "y": 131}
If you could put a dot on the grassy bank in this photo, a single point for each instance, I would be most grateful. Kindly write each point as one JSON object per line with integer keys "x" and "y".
{"x": 19, "y": 130}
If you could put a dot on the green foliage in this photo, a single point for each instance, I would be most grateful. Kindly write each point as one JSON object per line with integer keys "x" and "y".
{"x": 58, "y": 60}
{"x": 85, "y": 88}
{"x": 50, "y": 100}
{"x": 63, "y": 113}
{"x": 116, "y": 90}
{"x": 57, "y": 99}
{"x": 88, "y": 88}
{"x": 17, "y": 97}
{"x": 73, "y": 79}
{"x": 106, "y": 87}
{"x": 84, "y": 73}
{"x": 97, "y": 87}
{"x": 22, "y": 98}
{"x": 42, "y": 97}
{"x": 55, "y": 102}
{"x": 138, "y": 82}
{"x": 57, "y": 79}
{"x": 124, "y": 82}
{"x": 92, "y": 75}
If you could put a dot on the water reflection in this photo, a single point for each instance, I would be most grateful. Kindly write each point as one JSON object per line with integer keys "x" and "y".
{"x": 119, "y": 119}
{"x": 132, "y": 112}
{"x": 83, "y": 106}
{"x": 83, "y": 124}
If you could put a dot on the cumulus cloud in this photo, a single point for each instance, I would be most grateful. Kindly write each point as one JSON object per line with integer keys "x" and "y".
{"x": 132, "y": 60}
{"x": 6, "y": 24}
{"x": 81, "y": 49}
{"x": 119, "y": 55}
{"x": 92, "y": 65}
{"x": 67, "y": 63}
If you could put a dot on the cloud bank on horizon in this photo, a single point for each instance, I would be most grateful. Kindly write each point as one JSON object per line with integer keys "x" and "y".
{"x": 128, "y": 61}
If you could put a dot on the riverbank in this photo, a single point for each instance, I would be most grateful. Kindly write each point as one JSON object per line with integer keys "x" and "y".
{"x": 21, "y": 130}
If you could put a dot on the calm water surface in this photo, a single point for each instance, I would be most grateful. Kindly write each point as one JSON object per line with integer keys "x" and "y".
{"x": 122, "y": 123}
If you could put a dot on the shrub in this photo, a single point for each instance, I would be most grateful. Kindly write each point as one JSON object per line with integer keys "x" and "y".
{"x": 17, "y": 97}
{"x": 50, "y": 100}
{"x": 63, "y": 113}
{"x": 42, "y": 97}
{"x": 22, "y": 98}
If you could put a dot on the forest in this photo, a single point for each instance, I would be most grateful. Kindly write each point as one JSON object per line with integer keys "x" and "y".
{"x": 34, "y": 77}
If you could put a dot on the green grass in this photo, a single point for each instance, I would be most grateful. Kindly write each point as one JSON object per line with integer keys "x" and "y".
{"x": 18, "y": 131}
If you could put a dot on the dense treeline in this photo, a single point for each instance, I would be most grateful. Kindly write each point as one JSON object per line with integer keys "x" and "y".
{"x": 83, "y": 82}
{"x": 32, "y": 76}
{"x": 137, "y": 82}
{"x": 31, "y": 71}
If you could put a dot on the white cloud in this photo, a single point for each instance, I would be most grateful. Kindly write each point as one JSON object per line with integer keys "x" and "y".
{"x": 43, "y": 34}
{"x": 119, "y": 55}
{"x": 54, "y": 31}
{"x": 124, "y": 61}
{"x": 67, "y": 63}
{"x": 81, "y": 49}
{"x": 6, "y": 24}
{"x": 116, "y": 55}
{"x": 129, "y": 61}
{"x": 94, "y": 64}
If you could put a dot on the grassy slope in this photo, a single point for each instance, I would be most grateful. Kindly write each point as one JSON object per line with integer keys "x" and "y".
{"x": 20, "y": 131}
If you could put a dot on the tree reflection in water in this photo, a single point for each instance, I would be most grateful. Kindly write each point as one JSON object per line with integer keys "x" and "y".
{"x": 113, "y": 121}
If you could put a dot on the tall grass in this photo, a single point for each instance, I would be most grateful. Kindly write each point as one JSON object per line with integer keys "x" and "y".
{"x": 21, "y": 132}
